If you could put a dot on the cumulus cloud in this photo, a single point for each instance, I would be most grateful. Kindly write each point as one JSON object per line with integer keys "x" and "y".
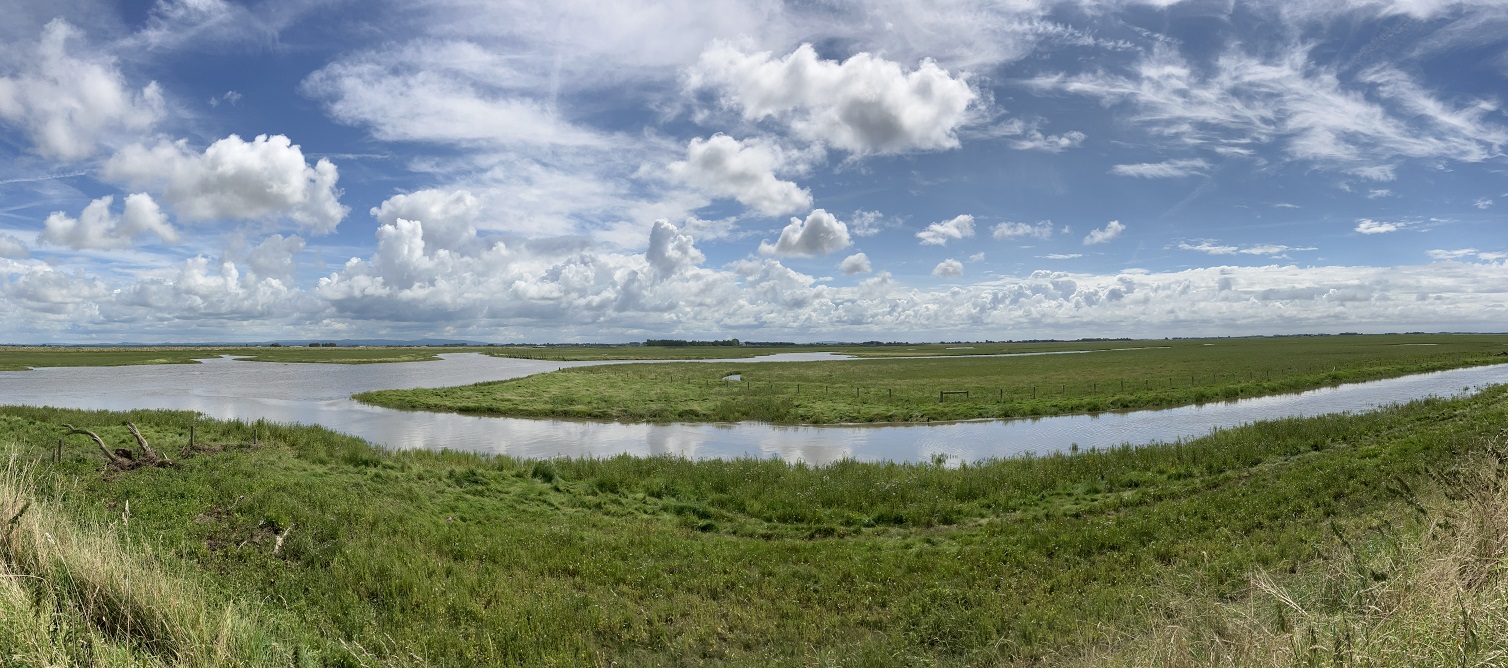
{"x": 670, "y": 250}
{"x": 13, "y": 248}
{"x": 1170, "y": 169}
{"x": 67, "y": 103}
{"x": 265, "y": 178}
{"x": 1110, "y": 231}
{"x": 858, "y": 263}
{"x": 1041, "y": 230}
{"x": 725, "y": 167}
{"x": 863, "y": 105}
{"x": 821, "y": 233}
{"x": 97, "y": 228}
{"x": 940, "y": 233}
{"x": 449, "y": 216}
{"x": 948, "y": 268}
{"x": 273, "y": 257}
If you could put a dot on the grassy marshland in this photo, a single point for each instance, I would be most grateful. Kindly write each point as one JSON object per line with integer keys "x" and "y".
{"x": 1242, "y": 544}
{"x": 1172, "y": 373}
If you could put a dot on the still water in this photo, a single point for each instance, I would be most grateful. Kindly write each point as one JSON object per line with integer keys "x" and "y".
{"x": 319, "y": 394}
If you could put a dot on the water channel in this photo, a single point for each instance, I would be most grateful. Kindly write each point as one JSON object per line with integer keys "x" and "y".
{"x": 319, "y": 394}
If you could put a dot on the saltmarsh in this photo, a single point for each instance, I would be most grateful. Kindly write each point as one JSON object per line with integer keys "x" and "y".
{"x": 426, "y": 558}
{"x": 1116, "y": 376}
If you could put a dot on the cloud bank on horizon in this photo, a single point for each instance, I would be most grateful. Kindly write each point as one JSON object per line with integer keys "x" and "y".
{"x": 583, "y": 171}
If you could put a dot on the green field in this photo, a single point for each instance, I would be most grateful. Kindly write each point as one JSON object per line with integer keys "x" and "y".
{"x": 1142, "y": 374}
{"x": 423, "y": 558}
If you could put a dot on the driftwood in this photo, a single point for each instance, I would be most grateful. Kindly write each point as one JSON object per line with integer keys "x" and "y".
{"x": 124, "y": 459}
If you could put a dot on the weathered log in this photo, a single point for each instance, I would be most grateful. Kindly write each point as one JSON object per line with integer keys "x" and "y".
{"x": 124, "y": 459}
{"x": 115, "y": 460}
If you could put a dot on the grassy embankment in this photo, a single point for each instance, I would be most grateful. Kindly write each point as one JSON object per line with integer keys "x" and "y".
{"x": 1290, "y": 536}
{"x": 886, "y": 390}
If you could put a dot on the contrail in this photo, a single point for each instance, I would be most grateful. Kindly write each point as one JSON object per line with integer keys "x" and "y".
{"x": 49, "y": 177}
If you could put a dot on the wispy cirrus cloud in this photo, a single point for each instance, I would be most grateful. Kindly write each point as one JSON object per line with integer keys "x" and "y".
{"x": 1170, "y": 169}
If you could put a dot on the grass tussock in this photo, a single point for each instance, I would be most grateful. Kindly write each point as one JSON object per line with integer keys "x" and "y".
{"x": 1426, "y": 589}
{"x": 76, "y": 595}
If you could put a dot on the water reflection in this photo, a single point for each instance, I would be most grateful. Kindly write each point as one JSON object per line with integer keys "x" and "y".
{"x": 319, "y": 394}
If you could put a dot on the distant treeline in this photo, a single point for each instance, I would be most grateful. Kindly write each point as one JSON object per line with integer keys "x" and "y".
{"x": 681, "y": 343}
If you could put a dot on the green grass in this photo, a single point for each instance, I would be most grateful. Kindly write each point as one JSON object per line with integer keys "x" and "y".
{"x": 1160, "y": 374}
{"x": 422, "y": 558}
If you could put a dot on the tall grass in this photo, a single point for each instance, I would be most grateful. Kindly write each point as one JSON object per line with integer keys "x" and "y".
{"x": 74, "y": 594}
{"x": 1428, "y": 587}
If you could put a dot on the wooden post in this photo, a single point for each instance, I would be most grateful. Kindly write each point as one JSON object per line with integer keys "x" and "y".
{"x": 57, "y": 456}
{"x": 191, "y": 436}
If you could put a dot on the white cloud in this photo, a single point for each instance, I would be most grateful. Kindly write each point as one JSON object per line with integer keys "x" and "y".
{"x": 449, "y": 216}
{"x": 1110, "y": 231}
{"x": 725, "y": 167}
{"x": 444, "y": 92}
{"x": 1214, "y": 248}
{"x": 68, "y": 104}
{"x": 266, "y": 178}
{"x": 671, "y": 250}
{"x": 940, "y": 233}
{"x": 863, "y": 105}
{"x": 1170, "y": 169}
{"x": 1464, "y": 253}
{"x": 1036, "y": 141}
{"x": 1483, "y": 203}
{"x": 1313, "y": 111}
{"x": 1061, "y": 256}
{"x": 1024, "y": 136}
{"x": 97, "y": 228}
{"x": 821, "y": 233}
{"x": 869, "y": 223}
{"x": 273, "y": 257}
{"x": 1042, "y": 229}
{"x": 1376, "y": 193}
{"x": 13, "y": 248}
{"x": 948, "y": 268}
{"x": 1369, "y": 226}
{"x": 858, "y": 263}
{"x": 1382, "y": 173}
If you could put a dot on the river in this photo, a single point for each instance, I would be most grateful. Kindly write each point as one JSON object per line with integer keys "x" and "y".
{"x": 319, "y": 394}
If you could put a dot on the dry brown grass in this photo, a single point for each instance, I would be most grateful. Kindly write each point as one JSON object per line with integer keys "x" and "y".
{"x": 74, "y": 595}
{"x": 1428, "y": 589}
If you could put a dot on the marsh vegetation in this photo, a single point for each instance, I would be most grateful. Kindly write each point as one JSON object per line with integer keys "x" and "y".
{"x": 436, "y": 558}
{"x": 1118, "y": 376}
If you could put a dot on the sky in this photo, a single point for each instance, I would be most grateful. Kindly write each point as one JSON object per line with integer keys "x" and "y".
{"x": 587, "y": 171}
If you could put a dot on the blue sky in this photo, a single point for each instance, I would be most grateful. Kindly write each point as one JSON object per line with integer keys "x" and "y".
{"x": 586, "y": 171}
